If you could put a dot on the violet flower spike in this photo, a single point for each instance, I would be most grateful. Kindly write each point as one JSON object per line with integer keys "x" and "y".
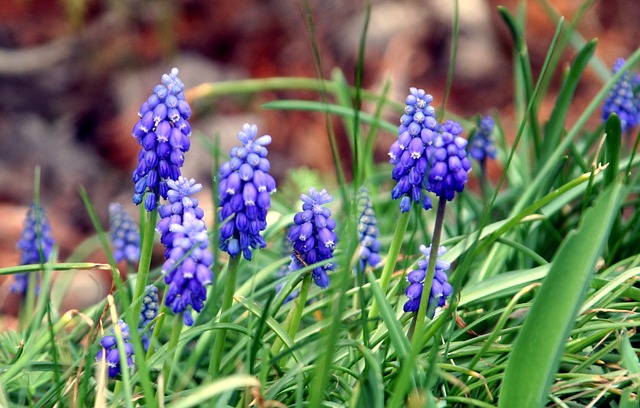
{"x": 367, "y": 231}
{"x": 124, "y": 233}
{"x": 188, "y": 260}
{"x": 440, "y": 288}
{"x": 35, "y": 244}
{"x": 482, "y": 146}
{"x": 244, "y": 190}
{"x": 623, "y": 98}
{"x": 450, "y": 166}
{"x": 163, "y": 132}
{"x": 313, "y": 236}
{"x": 110, "y": 347}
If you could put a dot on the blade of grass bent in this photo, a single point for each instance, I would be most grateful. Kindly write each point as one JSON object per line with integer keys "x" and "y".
{"x": 539, "y": 345}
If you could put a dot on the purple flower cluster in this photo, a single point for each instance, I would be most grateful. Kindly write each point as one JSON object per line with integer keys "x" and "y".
{"x": 125, "y": 234}
{"x": 187, "y": 267}
{"x": 624, "y": 98}
{"x": 410, "y": 153}
{"x": 312, "y": 235}
{"x": 482, "y": 145}
{"x": 35, "y": 245}
{"x": 367, "y": 231}
{"x": 440, "y": 288}
{"x": 110, "y": 347}
{"x": 449, "y": 163}
{"x": 287, "y": 250}
{"x": 244, "y": 191}
{"x": 163, "y": 132}
{"x": 150, "y": 307}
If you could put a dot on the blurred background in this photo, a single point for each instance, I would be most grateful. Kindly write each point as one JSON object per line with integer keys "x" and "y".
{"x": 73, "y": 74}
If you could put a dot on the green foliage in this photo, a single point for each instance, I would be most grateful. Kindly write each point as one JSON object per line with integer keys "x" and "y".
{"x": 545, "y": 266}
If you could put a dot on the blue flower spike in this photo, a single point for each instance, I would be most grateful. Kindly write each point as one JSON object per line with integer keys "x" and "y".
{"x": 313, "y": 236}
{"x": 150, "y": 307}
{"x": 125, "y": 234}
{"x": 482, "y": 145}
{"x": 244, "y": 191}
{"x": 110, "y": 350}
{"x": 35, "y": 244}
{"x": 367, "y": 231}
{"x": 163, "y": 132}
{"x": 449, "y": 165}
{"x": 188, "y": 260}
{"x": 440, "y": 288}
{"x": 623, "y": 99}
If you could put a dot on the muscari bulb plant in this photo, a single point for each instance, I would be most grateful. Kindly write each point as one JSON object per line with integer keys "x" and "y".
{"x": 440, "y": 288}
{"x": 367, "y": 231}
{"x": 313, "y": 236}
{"x": 244, "y": 191}
{"x": 482, "y": 146}
{"x": 163, "y": 132}
{"x": 125, "y": 234}
{"x": 624, "y": 98}
{"x": 110, "y": 353}
{"x": 35, "y": 245}
{"x": 188, "y": 260}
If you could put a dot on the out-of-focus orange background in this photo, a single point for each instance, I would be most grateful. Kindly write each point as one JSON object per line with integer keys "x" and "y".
{"x": 73, "y": 74}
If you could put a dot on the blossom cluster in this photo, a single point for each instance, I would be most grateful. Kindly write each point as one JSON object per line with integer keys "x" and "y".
{"x": 482, "y": 145}
{"x": 187, "y": 266}
{"x": 624, "y": 98}
{"x": 367, "y": 231}
{"x": 125, "y": 234}
{"x": 313, "y": 235}
{"x": 244, "y": 191}
{"x": 163, "y": 133}
{"x": 440, "y": 287}
{"x": 110, "y": 353}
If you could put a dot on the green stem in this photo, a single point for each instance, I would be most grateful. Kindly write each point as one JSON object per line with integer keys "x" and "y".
{"x": 294, "y": 317}
{"x": 176, "y": 329}
{"x": 392, "y": 258}
{"x": 227, "y": 301}
{"x": 146, "y": 251}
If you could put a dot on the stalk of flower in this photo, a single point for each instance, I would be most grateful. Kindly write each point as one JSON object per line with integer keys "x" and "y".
{"x": 125, "y": 235}
{"x": 110, "y": 351}
{"x": 245, "y": 197}
{"x": 624, "y": 98}
{"x": 314, "y": 241}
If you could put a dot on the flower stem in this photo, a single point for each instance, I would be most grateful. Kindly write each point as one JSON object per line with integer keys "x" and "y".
{"x": 294, "y": 317}
{"x": 145, "y": 261}
{"x": 176, "y": 329}
{"x": 392, "y": 258}
{"x": 227, "y": 301}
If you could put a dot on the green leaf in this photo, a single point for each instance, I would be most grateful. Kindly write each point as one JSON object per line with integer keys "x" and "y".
{"x": 539, "y": 346}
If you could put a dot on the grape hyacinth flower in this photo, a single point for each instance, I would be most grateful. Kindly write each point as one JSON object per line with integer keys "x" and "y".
{"x": 312, "y": 236}
{"x": 449, "y": 164}
{"x": 367, "y": 231}
{"x": 187, "y": 266}
{"x": 411, "y": 152}
{"x": 110, "y": 347}
{"x": 287, "y": 249}
{"x": 440, "y": 288}
{"x": 163, "y": 132}
{"x": 125, "y": 235}
{"x": 35, "y": 245}
{"x": 623, "y": 99}
{"x": 150, "y": 307}
{"x": 244, "y": 191}
{"x": 482, "y": 145}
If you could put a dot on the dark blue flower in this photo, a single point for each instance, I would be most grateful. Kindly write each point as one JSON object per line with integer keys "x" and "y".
{"x": 287, "y": 250}
{"x": 125, "y": 234}
{"x": 110, "y": 350}
{"x": 449, "y": 164}
{"x": 367, "y": 231}
{"x": 35, "y": 245}
{"x": 410, "y": 153}
{"x": 440, "y": 287}
{"x": 163, "y": 132}
{"x": 482, "y": 145}
{"x": 624, "y": 98}
{"x": 150, "y": 307}
{"x": 187, "y": 267}
{"x": 312, "y": 235}
{"x": 244, "y": 191}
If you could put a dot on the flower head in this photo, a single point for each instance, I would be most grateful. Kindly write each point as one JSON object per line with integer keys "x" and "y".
{"x": 367, "y": 231}
{"x": 244, "y": 191}
{"x": 312, "y": 235}
{"x": 35, "y": 245}
{"x": 482, "y": 145}
{"x": 623, "y": 99}
{"x": 187, "y": 266}
{"x": 440, "y": 288}
{"x": 411, "y": 152}
{"x": 287, "y": 250}
{"x": 150, "y": 307}
{"x": 125, "y": 235}
{"x": 110, "y": 350}
{"x": 163, "y": 132}
{"x": 449, "y": 164}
